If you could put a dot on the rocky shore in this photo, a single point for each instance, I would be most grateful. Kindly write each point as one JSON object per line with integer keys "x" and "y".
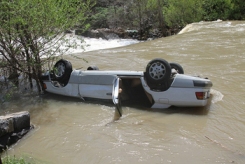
{"x": 13, "y": 127}
{"x": 116, "y": 33}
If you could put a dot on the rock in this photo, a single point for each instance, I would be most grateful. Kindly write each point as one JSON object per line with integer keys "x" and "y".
{"x": 142, "y": 34}
{"x": 78, "y": 32}
{"x": 104, "y": 33}
{"x": 6, "y": 125}
{"x": 21, "y": 120}
{"x": 68, "y": 32}
{"x": 13, "y": 127}
{"x": 14, "y": 122}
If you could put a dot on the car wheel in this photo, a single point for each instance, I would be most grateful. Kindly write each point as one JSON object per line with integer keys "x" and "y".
{"x": 62, "y": 70}
{"x": 177, "y": 67}
{"x": 157, "y": 71}
{"x": 92, "y": 68}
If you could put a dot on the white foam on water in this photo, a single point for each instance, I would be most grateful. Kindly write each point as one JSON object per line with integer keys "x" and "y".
{"x": 84, "y": 44}
{"x": 217, "y": 96}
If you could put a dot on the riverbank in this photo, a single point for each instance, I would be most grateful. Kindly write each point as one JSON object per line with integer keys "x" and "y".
{"x": 13, "y": 127}
{"x": 69, "y": 130}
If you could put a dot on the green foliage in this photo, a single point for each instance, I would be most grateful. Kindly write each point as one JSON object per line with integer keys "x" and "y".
{"x": 217, "y": 9}
{"x": 238, "y": 12}
{"x": 41, "y": 17}
{"x": 13, "y": 160}
{"x": 10, "y": 94}
{"x": 33, "y": 29}
{"x": 181, "y": 12}
{"x": 145, "y": 14}
{"x": 99, "y": 18}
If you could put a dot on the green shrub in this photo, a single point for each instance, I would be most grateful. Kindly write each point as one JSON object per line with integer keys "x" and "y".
{"x": 217, "y": 9}
{"x": 181, "y": 12}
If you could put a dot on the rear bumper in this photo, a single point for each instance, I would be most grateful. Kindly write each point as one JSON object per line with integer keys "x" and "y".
{"x": 203, "y": 84}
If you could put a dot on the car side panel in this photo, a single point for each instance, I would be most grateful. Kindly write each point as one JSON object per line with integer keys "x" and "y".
{"x": 68, "y": 90}
{"x": 96, "y": 91}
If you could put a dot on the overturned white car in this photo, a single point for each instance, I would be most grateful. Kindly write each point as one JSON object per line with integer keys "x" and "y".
{"x": 162, "y": 84}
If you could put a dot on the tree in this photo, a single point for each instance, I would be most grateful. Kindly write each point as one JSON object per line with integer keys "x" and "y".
{"x": 178, "y": 13}
{"x": 141, "y": 16}
{"x": 156, "y": 7}
{"x": 32, "y": 32}
{"x": 238, "y": 12}
{"x": 217, "y": 9}
{"x": 99, "y": 18}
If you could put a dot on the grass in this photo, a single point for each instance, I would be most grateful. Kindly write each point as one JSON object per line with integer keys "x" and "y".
{"x": 14, "y": 160}
{"x": 21, "y": 160}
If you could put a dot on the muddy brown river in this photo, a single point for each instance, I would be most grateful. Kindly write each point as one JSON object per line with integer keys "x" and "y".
{"x": 69, "y": 130}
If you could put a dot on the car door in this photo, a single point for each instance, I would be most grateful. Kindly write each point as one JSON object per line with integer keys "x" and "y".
{"x": 97, "y": 86}
{"x": 116, "y": 96}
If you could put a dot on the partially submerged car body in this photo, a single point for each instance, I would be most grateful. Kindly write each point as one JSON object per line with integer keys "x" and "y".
{"x": 163, "y": 84}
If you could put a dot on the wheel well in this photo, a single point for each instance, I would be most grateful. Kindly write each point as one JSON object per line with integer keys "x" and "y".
{"x": 163, "y": 86}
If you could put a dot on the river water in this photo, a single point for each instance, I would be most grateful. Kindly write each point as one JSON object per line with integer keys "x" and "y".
{"x": 68, "y": 130}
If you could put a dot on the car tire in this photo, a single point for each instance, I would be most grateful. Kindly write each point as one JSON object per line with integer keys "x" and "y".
{"x": 62, "y": 70}
{"x": 177, "y": 67}
{"x": 158, "y": 71}
{"x": 92, "y": 68}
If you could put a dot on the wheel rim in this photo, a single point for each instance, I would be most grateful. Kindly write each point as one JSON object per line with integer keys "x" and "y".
{"x": 60, "y": 69}
{"x": 157, "y": 71}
